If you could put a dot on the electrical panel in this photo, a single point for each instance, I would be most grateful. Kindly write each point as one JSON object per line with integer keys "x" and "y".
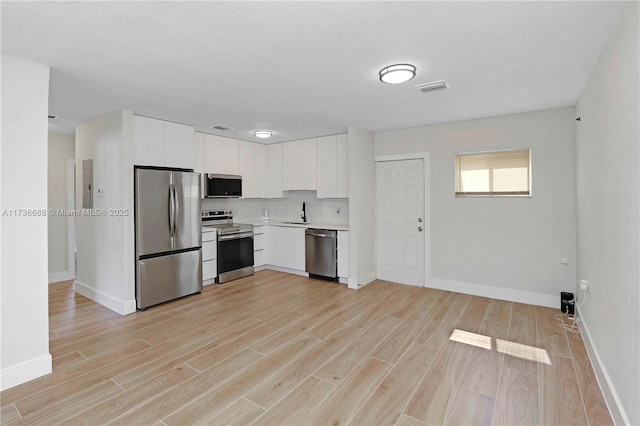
{"x": 87, "y": 184}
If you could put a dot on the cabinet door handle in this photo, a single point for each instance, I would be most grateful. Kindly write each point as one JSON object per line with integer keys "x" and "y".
{"x": 419, "y": 220}
{"x": 419, "y": 228}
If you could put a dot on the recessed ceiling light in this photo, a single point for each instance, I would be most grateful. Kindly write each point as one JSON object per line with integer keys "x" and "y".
{"x": 262, "y": 134}
{"x": 398, "y": 73}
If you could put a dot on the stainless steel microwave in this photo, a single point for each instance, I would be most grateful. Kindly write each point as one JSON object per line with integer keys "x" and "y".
{"x": 221, "y": 186}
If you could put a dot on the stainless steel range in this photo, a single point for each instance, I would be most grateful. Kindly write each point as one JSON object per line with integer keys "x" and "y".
{"x": 235, "y": 245}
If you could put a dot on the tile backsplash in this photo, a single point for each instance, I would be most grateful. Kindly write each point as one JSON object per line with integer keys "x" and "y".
{"x": 284, "y": 209}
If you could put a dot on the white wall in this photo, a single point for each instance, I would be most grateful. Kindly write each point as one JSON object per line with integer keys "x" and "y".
{"x": 61, "y": 262}
{"x": 105, "y": 255}
{"x": 506, "y": 248}
{"x": 362, "y": 267}
{"x": 24, "y": 300}
{"x": 608, "y": 179}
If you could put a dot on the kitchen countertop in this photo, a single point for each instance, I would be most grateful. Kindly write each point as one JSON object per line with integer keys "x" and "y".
{"x": 317, "y": 225}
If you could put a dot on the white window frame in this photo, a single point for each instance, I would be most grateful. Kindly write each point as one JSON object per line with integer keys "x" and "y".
{"x": 491, "y": 194}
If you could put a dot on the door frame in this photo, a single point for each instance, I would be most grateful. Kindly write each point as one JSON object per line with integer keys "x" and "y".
{"x": 426, "y": 160}
{"x": 71, "y": 221}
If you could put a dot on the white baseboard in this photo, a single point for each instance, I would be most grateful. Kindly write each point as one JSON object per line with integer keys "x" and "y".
{"x": 501, "y": 293}
{"x": 341, "y": 280}
{"x": 123, "y": 307}
{"x": 56, "y": 277}
{"x": 286, "y": 270}
{"x": 366, "y": 279}
{"x": 360, "y": 282}
{"x": 23, "y": 372}
{"x": 352, "y": 283}
{"x": 608, "y": 391}
{"x": 208, "y": 282}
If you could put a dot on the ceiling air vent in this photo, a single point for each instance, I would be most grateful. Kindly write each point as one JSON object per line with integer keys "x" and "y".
{"x": 433, "y": 86}
{"x": 221, "y": 127}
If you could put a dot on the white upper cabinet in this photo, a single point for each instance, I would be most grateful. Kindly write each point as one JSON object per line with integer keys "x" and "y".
{"x": 179, "y": 145}
{"x": 342, "y": 186}
{"x": 260, "y": 165}
{"x": 308, "y": 158}
{"x": 198, "y": 158}
{"x": 162, "y": 143}
{"x": 220, "y": 155}
{"x": 252, "y": 166}
{"x": 332, "y": 166}
{"x": 290, "y": 165}
{"x": 148, "y": 141}
{"x": 327, "y": 167}
{"x": 299, "y": 165}
{"x": 245, "y": 168}
{"x": 274, "y": 171}
{"x": 198, "y": 152}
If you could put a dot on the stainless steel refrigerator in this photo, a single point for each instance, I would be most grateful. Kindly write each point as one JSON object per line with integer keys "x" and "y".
{"x": 168, "y": 235}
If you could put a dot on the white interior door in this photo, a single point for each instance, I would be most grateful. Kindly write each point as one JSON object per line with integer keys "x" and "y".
{"x": 400, "y": 221}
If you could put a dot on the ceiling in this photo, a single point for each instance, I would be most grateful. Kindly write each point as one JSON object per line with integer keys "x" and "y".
{"x": 305, "y": 69}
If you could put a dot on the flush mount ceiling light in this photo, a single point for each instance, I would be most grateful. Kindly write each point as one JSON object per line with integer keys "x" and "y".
{"x": 398, "y": 73}
{"x": 262, "y": 134}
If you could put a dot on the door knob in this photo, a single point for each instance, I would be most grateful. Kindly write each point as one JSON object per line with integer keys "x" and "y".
{"x": 419, "y": 228}
{"x": 419, "y": 220}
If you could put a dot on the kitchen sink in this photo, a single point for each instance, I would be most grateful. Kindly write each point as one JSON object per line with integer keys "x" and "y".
{"x": 296, "y": 223}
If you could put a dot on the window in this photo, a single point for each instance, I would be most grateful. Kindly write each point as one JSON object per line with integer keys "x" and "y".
{"x": 494, "y": 173}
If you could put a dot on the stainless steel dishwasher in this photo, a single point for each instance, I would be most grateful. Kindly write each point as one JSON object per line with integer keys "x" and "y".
{"x": 321, "y": 252}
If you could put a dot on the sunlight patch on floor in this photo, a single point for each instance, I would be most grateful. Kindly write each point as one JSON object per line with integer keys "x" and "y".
{"x": 518, "y": 350}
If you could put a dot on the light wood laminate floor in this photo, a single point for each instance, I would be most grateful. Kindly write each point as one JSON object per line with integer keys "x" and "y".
{"x": 281, "y": 349}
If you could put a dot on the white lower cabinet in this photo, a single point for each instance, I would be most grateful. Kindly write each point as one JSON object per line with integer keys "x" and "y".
{"x": 343, "y": 254}
{"x": 285, "y": 247}
{"x": 209, "y": 271}
{"x": 209, "y": 255}
{"x": 280, "y": 246}
{"x": 259, "y": 246}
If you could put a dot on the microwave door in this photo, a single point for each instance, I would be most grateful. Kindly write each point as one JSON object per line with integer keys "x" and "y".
{"x": 223, "y": 186}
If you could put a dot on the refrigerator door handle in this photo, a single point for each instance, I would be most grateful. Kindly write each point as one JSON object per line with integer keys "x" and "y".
{"x": 176, "y": 211}
{"x": 171, "y": 210}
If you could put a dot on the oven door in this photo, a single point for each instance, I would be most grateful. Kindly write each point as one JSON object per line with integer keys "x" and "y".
{"x": 235, "y": 256}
